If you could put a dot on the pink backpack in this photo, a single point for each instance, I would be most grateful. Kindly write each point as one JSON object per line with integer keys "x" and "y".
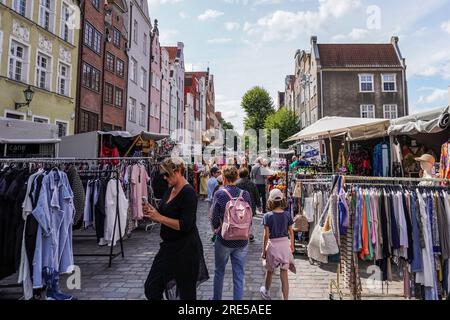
{"x": 237, "y": 219}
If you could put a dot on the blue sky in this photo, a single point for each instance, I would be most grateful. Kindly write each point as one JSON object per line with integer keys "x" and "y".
{"x": 253, "y": 42}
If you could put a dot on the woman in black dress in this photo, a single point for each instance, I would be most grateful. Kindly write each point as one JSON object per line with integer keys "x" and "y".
{"x": 179, "y": 267}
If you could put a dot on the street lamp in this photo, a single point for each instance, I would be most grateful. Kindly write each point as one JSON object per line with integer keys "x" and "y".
{"x": 28, "y": 93}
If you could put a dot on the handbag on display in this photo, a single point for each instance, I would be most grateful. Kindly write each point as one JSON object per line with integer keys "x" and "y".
{"x": 298, "y": 190}
{"x": 328, "y": 244}
{"x": 301, "y": 223}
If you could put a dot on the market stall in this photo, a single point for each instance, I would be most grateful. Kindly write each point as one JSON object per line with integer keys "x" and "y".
{"x": 114, "y": 144}
{"x": 26, "y": 139}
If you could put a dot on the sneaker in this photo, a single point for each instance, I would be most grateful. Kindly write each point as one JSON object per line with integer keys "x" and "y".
{"x": 264, "y": 293}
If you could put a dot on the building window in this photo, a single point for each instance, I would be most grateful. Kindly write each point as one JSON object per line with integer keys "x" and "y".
{"x": 143, "y": 79}
{"x": 20, "y": 7}
{"x": 145, "y": 44}
{"x": 120, "y": 68}
{"x": 366, "y": 83}
{"x": 119, "y": 97}
{"x": 46, "y": 14}
{"x": 135, "y": 31}
{"x": 62, "y": 128}
{"x": 43, "y": 72}
{"x": 367, "y": 111}
{"x": 116, "y": 37}
{"x": 17, "y": 61}
{"x": 66, "y": 32}
{"x": 142, "y": 115}
{"x": 91, "y": 77}
{"x": 109, "y": 62}
{"x": 88, "y": 121}
{"x": 40, "y": 120}
{"x": 96, "y": 4}
{"x": 132, "y": 110}
{"x": 390, "y": 111}
{"x": 133, "y": 70}
{"x": 109, "y": 93}
{"x": 15, "y": 116}
{"x": 389, "y": 82}
{"x": 64, "y": 79}
{"x": 92, "y": 38}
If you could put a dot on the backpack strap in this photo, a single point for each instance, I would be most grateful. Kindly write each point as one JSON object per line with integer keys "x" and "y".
{"x": 241, "y": 194}
{"x": 226, "y": 191}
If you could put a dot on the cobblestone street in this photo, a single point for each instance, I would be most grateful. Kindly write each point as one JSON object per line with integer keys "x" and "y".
{"x": 126, "y": 278}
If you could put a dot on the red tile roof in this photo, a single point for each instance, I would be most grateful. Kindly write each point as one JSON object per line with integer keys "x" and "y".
{"x": 172, "y": 52}
{"x": 353, "y": 55}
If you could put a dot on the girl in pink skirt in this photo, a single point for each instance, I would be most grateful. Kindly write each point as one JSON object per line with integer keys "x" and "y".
{"x": 278, "y": 243}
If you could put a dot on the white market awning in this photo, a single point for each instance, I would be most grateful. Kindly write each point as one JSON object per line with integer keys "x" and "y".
{"x": 432, "y": 121}
{"x": 334, "y": 126}
{"x": 29, "y": 141}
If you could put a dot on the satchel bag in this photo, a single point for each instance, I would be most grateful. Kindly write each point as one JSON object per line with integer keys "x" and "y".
{"x": 328, "y": 244}
{"x": 301, "y": 223}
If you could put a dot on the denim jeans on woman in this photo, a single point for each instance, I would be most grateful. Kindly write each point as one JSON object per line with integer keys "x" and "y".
{"x": 238, "y": 261}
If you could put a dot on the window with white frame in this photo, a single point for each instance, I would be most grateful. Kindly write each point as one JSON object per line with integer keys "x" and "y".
{"x": 62, "y": 128}
{"x": 367, "y": 111}
{"x": 132, "y": 110}
{"x": 14, "y": 115}
{"x": 390, "y": 111}
{"x": 143, "y": 79}
{"x": 389, "y": 82}
{"x": 142, "y": 115}
{"x": 46, "y": 14}
{"x": 135, "y": 31}
{"x": 40, "y": 119}
{"x": 18, "y": 60}
{"x": 64, "y": 79}
{"x": 43, "y": 71}
{"x": 133, "y": 70}
{"x": 20, "y": 6}
{"x": 66, "y": 32}
{"x": 118, "y": 98}
{"x": 366, "y": 83}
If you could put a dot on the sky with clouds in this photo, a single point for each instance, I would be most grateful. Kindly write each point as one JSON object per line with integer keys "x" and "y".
{"x": 253, "y": 42}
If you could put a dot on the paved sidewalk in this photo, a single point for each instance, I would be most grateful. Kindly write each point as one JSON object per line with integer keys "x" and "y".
{"x": 126, "y": 278}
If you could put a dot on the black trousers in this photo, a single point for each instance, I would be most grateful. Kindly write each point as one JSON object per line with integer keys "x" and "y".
{"x": 157, "y": 280}
{"x": 262, "y": 194}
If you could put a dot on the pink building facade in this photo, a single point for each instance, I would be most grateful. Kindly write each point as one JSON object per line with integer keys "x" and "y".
{"x": 156, "y": 82}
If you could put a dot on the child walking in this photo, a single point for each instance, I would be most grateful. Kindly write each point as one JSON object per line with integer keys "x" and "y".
{"x": 277, "y": 247}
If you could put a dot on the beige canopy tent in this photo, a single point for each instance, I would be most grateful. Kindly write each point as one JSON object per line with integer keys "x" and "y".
{"x": 330, "y": 127}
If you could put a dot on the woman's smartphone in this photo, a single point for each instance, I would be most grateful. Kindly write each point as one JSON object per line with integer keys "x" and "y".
{"x": 145, "y": 202}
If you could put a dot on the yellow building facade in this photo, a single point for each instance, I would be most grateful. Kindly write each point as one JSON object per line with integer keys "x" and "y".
{"x": 39, "y": 42}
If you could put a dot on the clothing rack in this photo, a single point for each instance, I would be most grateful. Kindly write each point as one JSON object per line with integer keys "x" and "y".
{"x": 348, "y": 260}
{"x": 111, "y": 254}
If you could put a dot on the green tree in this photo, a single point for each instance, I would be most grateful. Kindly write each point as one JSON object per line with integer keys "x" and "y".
{"x": 258, "y": 105}
{"x": 286, "y": 121}
{"x": 227, "y": 125}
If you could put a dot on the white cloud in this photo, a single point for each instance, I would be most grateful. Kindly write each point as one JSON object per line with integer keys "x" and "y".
{"x": 230, "y": 26}
{"x": 437, "y": 64}
{"x": 183, "y": 15}
{"x": 210, "y": 14}
{"x": 446, "y": 26}
{"x": 287, "y": 25}
{"x": 437, "y": 95}
{"x": 219, "y": 40}
{"x": 253, "y": 2}
{"x": 355, "y": 34}
{"x": 420, "y": 32}
{"x": 167, "y": 36}
{"x": 158, "y": 2}
{"x": 260, "y": 2}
